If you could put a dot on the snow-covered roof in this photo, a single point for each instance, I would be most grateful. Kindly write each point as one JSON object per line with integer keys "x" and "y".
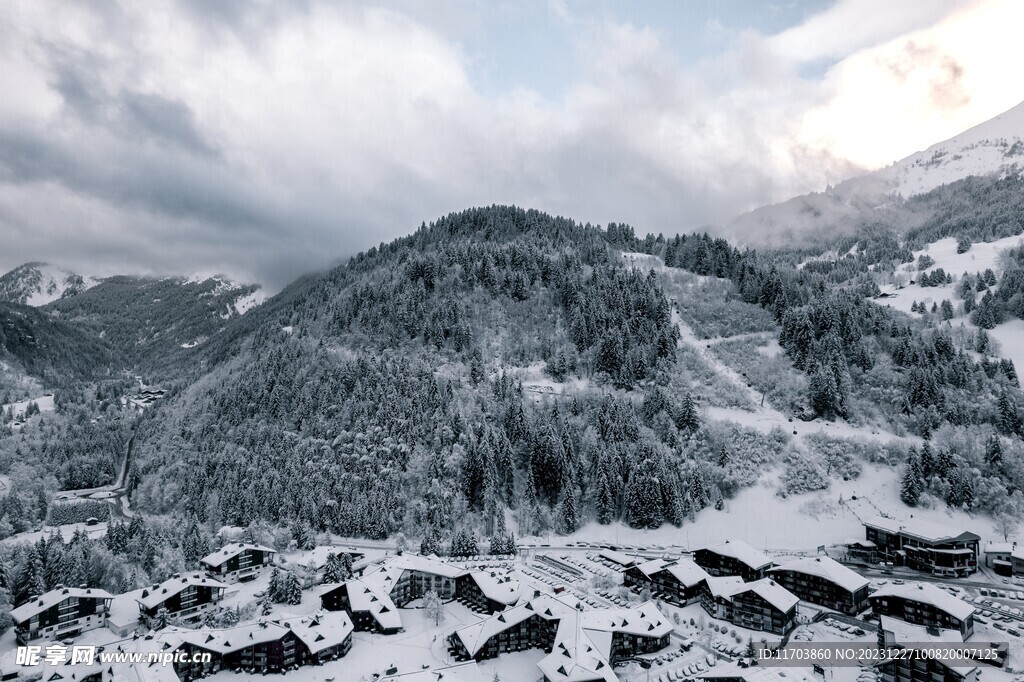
{"x": 902, "y": 631}
{"x": 582, "y": 646}
{"x": 927, "y": 593}
{"x": 617, "y": 557}
{"x": 319, "y": 631}
{"x": 827, "y": 568}
{"x": 741, "y": 551}
{"x": 158, "y": 594}
{"x": 684, "y": 570}
{"x": 921, "y": 530}
{"x": 1018, "y": 553}
{"x": 54, "y": 597}
{"x": 232, "y": 550}
{"x": 322, "y": 630}
{"x": 460, "y": 672}
{"x": 371, "y": 592}
{"x": 425, "y": 564}
{"x": 772, "y": 592}
{"x": 724, "y": 586}
{"x": 505, "y": 592}
{"x": 999, "y": 548}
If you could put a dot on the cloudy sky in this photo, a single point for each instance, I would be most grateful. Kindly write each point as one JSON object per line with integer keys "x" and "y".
{"x": 265, "y": 139}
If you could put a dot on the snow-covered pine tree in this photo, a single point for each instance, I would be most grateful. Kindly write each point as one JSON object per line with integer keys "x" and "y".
{"x": 912, "y": 483}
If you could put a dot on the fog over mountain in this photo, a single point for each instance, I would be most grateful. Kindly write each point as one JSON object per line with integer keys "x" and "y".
{"x": 266, "y": 141}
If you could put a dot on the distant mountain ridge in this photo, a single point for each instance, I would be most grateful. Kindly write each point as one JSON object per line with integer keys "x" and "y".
{"x": 36, "y": 284}
{"x": 992, "y": 148}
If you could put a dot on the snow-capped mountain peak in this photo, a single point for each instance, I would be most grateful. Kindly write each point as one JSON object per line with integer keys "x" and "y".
{"x": 37, "y": 284}
{"x": 993, "y": 147}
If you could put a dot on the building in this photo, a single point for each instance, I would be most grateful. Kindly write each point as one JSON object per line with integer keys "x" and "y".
{"x": 263, "y": 647}
{"x": 999, "y": 557}
{"x": 929, "y": 547}
{"x": 824, "y": 581}
{"x": 181, "y": 596}
{"x": 895, "y": 633}
{"x": 582, "y": 646}
{"x": 733, "y": 557}
{"x": 924, "y": 604}
{"x": 487, "y": 591}
{"x": 61, "y": 613}
{"x": 759, "y": 605}
{"x": 237, "y": 562}
{"x": 764, "y": 605}
{"x": 373, "y": 599}
{"x": 677, "y": 582}
{"x": 716, "y": 595}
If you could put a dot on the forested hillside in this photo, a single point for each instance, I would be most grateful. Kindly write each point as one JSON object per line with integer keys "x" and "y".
{"x": 383, "y": 395}
{"x": 154, "y": 322}
{"x": 51, "y": 350}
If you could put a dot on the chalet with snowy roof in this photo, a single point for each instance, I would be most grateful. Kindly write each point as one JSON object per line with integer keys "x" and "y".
{"x": 677, "y": 582}
{"x": 898, "y": 634}
{"x": 716, "y": 595}
{"x": 61, "y": 613}
{"x": 758, "y": 605}
{"x": 999, "y": 557}
{"x": 262, "y": 647}
{"x": 931, "y": 547}
{"x": 238, "y": 562}
{"x": 924, "y": 604}
{"x": 733, "y": 557}
{"x": 582, "y": 645}
{"x": 182, "y": 596}
{"x": 764, "y": 605}
{"x": 373, "y": 599}
{"x": 487, "y": 591}
{"x": 824, "y": 581}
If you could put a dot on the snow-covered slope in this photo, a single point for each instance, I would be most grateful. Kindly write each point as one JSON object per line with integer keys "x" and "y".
{"x": 993, "y": 147}
{"x": 37, "y": 284}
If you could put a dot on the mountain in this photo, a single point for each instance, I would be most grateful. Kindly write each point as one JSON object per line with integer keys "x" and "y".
{"x": 157, "y": 322}
{"x": 995, "y": 147}
{"x": 34, "y": 344}
{"x": 992, "y": 149}
{"x": 37, "y": 284}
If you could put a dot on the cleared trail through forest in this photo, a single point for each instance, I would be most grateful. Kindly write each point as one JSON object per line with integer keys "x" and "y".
{"x": 764, "y": 417}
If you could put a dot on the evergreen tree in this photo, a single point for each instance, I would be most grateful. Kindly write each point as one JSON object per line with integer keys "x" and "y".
{"x": 569, "y": 516}
{"x": 912, "y": 483}
{"x": 334, "y": 570}
{"x": 993, "y": 451}
{"x": 686, "y": 417}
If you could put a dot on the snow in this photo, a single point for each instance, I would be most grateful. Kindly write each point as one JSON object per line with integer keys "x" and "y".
{"x": 796, "y": 524}
{"x": 250, "y": 301}
{"x": 980, "y": 257}
{"x": 1010, "y": 336}
{"x": 42, "y": 283}
{"x": 981, "y": 150}
{"x": 45, "y": 403}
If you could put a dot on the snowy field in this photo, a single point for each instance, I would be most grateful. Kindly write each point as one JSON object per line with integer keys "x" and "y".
{"x": 980, "y": 257}
{"x": 45, "y": 403}
{"x": 798, "y": 523}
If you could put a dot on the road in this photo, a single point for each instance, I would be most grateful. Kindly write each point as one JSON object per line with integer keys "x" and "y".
{"x": 115, "y": 492}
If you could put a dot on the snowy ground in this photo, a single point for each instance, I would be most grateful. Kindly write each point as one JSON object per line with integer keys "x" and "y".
{"x": 45, "y": 403}
{"x": 799, "y": 523}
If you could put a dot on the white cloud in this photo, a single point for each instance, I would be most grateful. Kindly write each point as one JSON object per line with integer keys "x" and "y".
{"x": 269, "y": 140}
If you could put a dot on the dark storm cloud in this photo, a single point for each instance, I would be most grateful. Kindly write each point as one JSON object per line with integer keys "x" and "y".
{"x": 266, "y": 139}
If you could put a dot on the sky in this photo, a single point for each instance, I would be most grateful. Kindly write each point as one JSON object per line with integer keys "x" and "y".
{"x": 267, "y": 139}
